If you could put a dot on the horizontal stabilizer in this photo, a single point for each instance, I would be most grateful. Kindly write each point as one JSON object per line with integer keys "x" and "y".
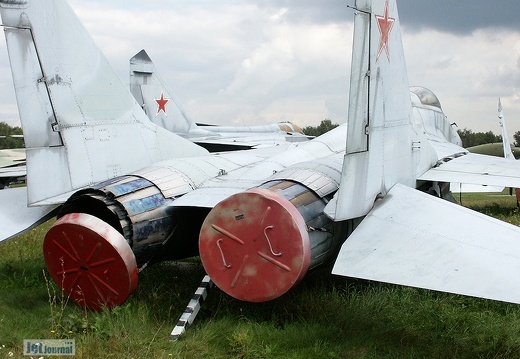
{"x": 473, "y": 168}
{"x": 16, "y": 217}
{"x": 414, "y": 239}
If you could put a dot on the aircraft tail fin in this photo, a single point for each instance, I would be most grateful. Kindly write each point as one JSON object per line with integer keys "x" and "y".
{"x": 156, "y": 98}
{"x": 382, "y": 147}
{"x": 508, "y": 153}
{"x": 81, "y": 124}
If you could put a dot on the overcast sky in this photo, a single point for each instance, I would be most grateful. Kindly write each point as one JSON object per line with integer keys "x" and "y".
{"x": 251, "y": 62}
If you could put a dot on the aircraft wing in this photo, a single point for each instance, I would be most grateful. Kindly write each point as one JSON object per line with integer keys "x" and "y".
{"x": 473, "y": 168}
{"x": 413, "y": 239}
{"x": 15, "y": 171}
{"x": 17, "y": 218}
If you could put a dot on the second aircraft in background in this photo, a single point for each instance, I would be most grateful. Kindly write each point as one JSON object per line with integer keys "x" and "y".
{"x": 164, "y": 109}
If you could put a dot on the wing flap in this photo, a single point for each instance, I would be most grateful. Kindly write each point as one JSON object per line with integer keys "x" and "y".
{"x": 473, "y": 168}
{"x": 413, "y": 239}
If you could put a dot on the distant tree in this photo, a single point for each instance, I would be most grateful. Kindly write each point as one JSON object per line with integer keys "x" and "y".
{"x": 516, "y": 136}
{"x": 10, "y": 142}
{"x": 325, "y": 126}
{"x": 470, "y": 138}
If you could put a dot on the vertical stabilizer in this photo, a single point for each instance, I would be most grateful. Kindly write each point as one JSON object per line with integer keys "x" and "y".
{"x": 157, "y": 100}
{"x": 382, "y": 147}
{"x": 508, "y": 153}
{"x": 80, "y": 122}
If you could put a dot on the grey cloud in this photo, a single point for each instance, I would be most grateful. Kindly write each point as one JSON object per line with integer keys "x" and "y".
{"x": 460, "y": 16}
{"x": 326, "y": 11}
{"x": 463, "y": 16}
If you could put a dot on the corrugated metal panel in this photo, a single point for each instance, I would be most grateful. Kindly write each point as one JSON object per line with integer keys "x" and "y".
{"x": 314, "y": 180}
{"x": 322, "y": 176}
{"x": 170, "y": 182}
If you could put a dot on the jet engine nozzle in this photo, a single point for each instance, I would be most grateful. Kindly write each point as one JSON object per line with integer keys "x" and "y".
{"x": 105, "y": 233}
{"x": 90, "y": 260}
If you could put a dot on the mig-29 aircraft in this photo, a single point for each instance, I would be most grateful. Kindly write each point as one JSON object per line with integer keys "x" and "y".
{"x": 367, "y": 196}
{"x": 164, "y": 109}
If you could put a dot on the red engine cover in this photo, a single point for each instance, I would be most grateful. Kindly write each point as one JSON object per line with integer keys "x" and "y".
{"x": 254, "y": 245}
{"x": 90, "y": 261}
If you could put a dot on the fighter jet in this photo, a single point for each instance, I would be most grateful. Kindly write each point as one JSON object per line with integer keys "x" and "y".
{"x": 164, "y": 109}
{"x": 368, "y": 196}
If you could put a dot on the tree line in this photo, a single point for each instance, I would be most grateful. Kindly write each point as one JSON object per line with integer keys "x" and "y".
{"x": 325, "y": 126}
{"x": 468, "y": 137}
{"x": 6, "y": 141}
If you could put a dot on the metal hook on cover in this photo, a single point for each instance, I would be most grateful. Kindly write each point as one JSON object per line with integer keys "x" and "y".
{"x": 222, "y": 254}
{"x": 269, "y": 242}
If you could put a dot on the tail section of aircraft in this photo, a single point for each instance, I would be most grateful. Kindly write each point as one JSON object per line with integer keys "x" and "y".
{"x": 81, "y": 125}
{"x": 406, "y": 236}
{"x": 156, "y": 98}
{"x": 508, "y": 153}
{"x": 382, "y": 143}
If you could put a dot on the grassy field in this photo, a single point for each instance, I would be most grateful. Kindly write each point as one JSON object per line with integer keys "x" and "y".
{"x": 324, "y": 317}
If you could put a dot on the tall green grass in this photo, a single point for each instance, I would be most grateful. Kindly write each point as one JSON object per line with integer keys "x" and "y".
{"x": 323, "y": 317}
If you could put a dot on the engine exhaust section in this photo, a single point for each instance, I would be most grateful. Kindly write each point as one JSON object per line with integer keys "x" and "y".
{"x": 255, "y": 245}
{"x": 258, "y": 244}
{"x": 105, "y": 233}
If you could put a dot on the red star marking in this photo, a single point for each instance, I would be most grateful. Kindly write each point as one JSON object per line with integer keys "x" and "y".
{"x": 161, "y": 103}
{"x": 385, "y": 24}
